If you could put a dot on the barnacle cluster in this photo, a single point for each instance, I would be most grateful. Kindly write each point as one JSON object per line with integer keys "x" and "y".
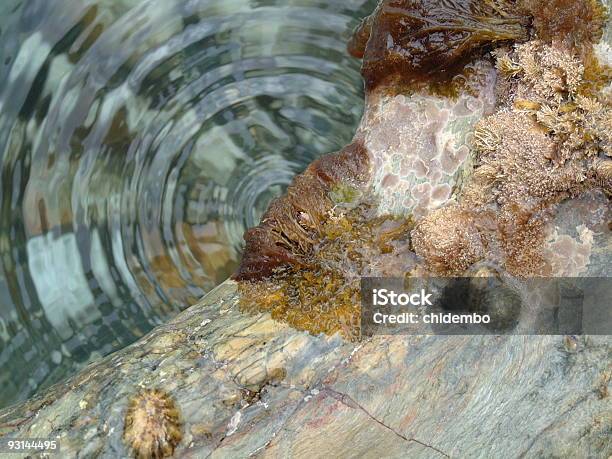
{"x": 152, "y": 426}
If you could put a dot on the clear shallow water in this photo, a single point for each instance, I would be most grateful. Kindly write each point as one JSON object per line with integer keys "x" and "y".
{"x": 138, "y": 140}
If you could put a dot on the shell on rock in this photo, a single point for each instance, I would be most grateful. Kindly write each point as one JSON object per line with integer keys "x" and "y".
{"x": 152, "y": 427}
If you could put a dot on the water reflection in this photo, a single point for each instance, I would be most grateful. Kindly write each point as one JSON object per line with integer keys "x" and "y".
{"x": 138, "y": 139}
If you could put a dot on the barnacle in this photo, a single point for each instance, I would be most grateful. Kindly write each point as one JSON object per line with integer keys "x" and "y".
{"x": 152, "y": 426}
{"x": 412, "y": 41}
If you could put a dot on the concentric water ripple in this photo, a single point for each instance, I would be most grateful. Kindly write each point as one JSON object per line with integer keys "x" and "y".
{"x": 138, "y": 140}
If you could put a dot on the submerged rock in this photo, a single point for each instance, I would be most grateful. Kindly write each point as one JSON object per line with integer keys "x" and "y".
{"x": 417, "y": 42}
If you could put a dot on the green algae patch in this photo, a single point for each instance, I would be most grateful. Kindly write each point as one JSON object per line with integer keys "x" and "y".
{"x": 344, "y": 194}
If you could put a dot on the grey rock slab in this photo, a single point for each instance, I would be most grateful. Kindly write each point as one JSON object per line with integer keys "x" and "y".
{"x": 250, "y": 386}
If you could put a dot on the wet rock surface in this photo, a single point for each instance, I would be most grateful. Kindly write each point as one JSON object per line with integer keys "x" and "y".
{"x": 247, "y": 385}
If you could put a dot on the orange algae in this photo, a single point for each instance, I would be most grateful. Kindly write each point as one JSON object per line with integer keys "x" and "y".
{"x": 325, "y": 296}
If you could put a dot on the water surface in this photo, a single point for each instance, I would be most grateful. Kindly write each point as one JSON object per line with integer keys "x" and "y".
{"x": 138, "y": 140}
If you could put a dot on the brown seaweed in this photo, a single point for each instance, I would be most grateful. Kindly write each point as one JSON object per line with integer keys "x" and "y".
{"x": 291, "y": 225}
{"x": 574, "y": 23}
{"x": 414, "y": 41}
{"x": 325, "y": 296}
